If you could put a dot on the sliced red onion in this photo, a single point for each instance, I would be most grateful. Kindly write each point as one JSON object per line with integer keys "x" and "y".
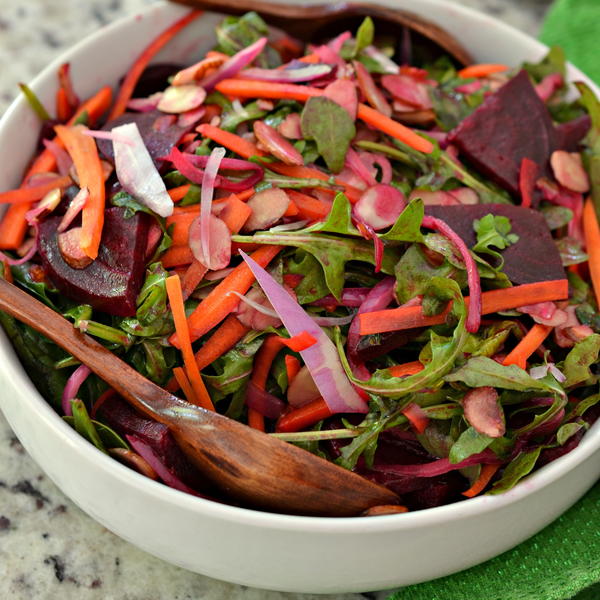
{"x": 267, "y": 207}
{"x": 217, "y": 275}
{"x": 440, "y": 466}
{"x": 351, "y": 297}
{"x": 79, "y": 375}
{"x": 63, "y": 161}
{"x": 327, "y": 55}
{"x": 372, "y": 93}
{"x": 407, "y": 90}
{"x": 235, "y": 64}
{"x": 136, "y": 171}
{"x": 295, "y": 225}
{"x": 255, "y": 310}
{"x": 343, "y": 92}
{"x": 290, "y": 127}
{"x": 354, "y": 163}
{"x": 302, "y": 389}
{"x": 170, "y": 479}
{"x": 276, "y": 144}
{"x": 387, "y": 65}
{"x": 465, "y": 195}
{"x": 206, "y": 198}
{"x": 145, "y": 104}
{"x": 75, "y": 207}
{"x": 483, "y": 411}
{"x": 545, "y": 313}
{"x": 469, "y": 88}
{"x": 474, "y": 316}
{"x": 306, "y": 72}
{"x": 31, "y": 252}
{"x": 46, "y": 205}
{"x": 191, "y": 117}
{"x": 379, "y": 206}
{"x": 337, "y": 42}
{"x": 100, "y": 134}
{"x": 321, "y": 358}
{"x": 370, "y": 159}
{"x": 548, "y": 85}
{"x": 263, "y": 403}
{"x": 219, "y": 243}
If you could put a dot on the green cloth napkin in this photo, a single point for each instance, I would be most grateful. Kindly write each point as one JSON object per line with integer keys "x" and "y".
{"x": 575, "y": 26}
{"x": 557, "y": 563}
{"x": 563, "y": 560}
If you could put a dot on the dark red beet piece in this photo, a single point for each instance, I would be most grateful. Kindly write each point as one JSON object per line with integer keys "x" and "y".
{"x": 159, "y": 136}
{"x": 376, "y": 345}
{"x": 533, "y": 258}
{"x": 572, "y": 132}
{"x": 111, "y": 282}
{"x": 155, "y": 78}
{"x": 512, "y": 124}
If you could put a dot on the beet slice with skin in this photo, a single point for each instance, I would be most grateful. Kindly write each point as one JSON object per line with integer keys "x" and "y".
{"x": 572, "y": 132}
{"x": 159, "y": 136}
{"x": 155, "y": 78}
{"x": 512, "y": 124}
{"x": 110, "y": 283}
{"x": 534, "y": 257}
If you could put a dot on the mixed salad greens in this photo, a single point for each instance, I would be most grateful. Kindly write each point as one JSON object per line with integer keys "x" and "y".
{"x": 393, "y": 265}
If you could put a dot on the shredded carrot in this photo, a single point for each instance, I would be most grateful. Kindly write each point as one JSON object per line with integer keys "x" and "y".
{"x": 292, "y": 209}
{"x": 303, "y": 417}
{"x": 63, "y": 109}
{"x": 234, "y": 213}
{"x": 177, "y": 193}
{"x": 231, "y": 141}
{"x": 485, "y": 475}
{"x": 261, "y": 89}
{"x": 176, "y": 256}
{"x": 184, "y": 384}
{"x": 142, "y": 61}
{"x": 310, "y": 58}
{"x": 14, "y": 226}
{"x": 493, "y": 301}
{"x": 84, "y": 152}
{"x": 292, "y": 366}
{"x": 481, "y": 70}
{"x": 299, "y": 342}
{"x": 308, "y": 207}
{"x": 220, "y": 303}
{"x": 180, "y": 224}
{"x": 173, "y": 286}
{"x": 410, "y": 368}
{"x": 591, "y": 231}
{"x": 416, "y": 417}
{"x": 192, "y": 277}
{"x": 31, "y": 194}
{"x": 527, "y": 346}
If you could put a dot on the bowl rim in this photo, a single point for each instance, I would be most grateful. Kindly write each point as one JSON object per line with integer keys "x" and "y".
{"x": 348, "y": 525}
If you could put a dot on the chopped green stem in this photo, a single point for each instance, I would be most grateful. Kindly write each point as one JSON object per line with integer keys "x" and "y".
{"x": 316, "y": 436}
{"x": 388, "y": 150}
{"x": 105, "y": 332}
{"x": 34, "y": 102}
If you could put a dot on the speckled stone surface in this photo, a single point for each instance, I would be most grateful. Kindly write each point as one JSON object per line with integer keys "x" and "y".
{"x": 48, "y": 548}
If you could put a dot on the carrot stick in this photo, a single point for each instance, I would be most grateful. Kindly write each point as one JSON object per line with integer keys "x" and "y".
{"x": 527, "y": 346}
{"x": 308, "y": 207}
{"x": 63, "y": 109}
{"x": 292, "y": 209}
{"x": 493, "y": 301}
{"x": 219, "y": 303}
{"x": 84, "y": 152}
{"x": 221, "y": 341}
{"x": 181, "y": 223}
{"x": 176, "y": 256}
{"x": 178, "y": 193}
{"x": 416, "y": 416}
{"x": 246, "y": 88}
{"x": 192, "y": 277}
{"x": 481, "y": 70}
{"x": 231, "y": 141}
{"x": 142, "y": 61}
{"x": 173, "y": 286}
{"x": 591, "y": 231}
{"x": 299, "y": 342}
{"x": 14, "y": 225}
{"x": 31, "y": 194}
{"x": 303, "y": 417}
{"x": 234, "y": 213}
{"x": 485, "y": 475}
{"x": 411, "y": 368}
{"x": 292, "y": 366}
{"x": 185, "y": 385}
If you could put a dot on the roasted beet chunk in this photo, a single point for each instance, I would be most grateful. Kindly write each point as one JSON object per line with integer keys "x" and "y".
{"x": 510, "y": 125}
{"x": 533, "y": 258}
{"x": 111, "y": 282}
{"x": 159, "y": 131}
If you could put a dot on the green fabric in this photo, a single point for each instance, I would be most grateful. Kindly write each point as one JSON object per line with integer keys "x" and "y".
{"x": 557, "y": 563}
{"x": 575, "y": 25}
{"x": 561, "y": 562}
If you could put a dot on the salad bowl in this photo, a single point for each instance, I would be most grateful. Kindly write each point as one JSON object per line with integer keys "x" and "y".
{"x": 260, "y": 549}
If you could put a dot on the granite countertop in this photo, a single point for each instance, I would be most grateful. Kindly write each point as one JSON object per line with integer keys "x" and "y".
{"x": 48, "y": 547}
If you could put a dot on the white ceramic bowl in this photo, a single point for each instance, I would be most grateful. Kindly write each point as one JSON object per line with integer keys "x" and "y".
{"x": 301, "y": 554}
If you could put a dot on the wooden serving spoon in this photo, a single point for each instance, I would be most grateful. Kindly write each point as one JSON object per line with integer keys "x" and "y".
{"x": 246, "y": 465}
{"x": 315, "y": 21}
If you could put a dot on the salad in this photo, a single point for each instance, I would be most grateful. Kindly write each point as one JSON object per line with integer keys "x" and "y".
{"x": 392, "y": 262}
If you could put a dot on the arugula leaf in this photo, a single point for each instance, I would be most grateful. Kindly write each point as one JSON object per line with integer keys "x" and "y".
{"x": 567, "y": 431}
{"x": 339, "y": 219}
{"x": 444, "y": 351}
{"x": 331, "y": 127}
{"x": 481, "y": 371}
{"x": 407, "y": 227}
{"x": 579, "y": 360}
{"x": 554, "y": 62}
{"x": 516, "y": 470}
{"x": 231, "y": 118}
{"x": 470, "y": 442}
{"x": 313, "y": 285}
{"x": 556, "y": 216}
{"x": 331, "y": 251}
{"x": 493, "y": 230}
{"x": 548, "y": 414}
{"x": 584, "y": 404}
{"x": 39, "y": 289}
